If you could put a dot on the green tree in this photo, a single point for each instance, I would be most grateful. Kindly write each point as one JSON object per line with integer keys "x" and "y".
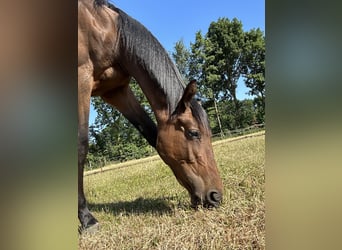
{"x": 217, "y": 61}
{"x": 254, "y": 58}
{"x": 181, "y": 57}
{"x": 196, "y": 61}
{"x": 223, "y": 65}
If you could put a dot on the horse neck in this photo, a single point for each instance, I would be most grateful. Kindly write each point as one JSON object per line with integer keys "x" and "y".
{"x": 159, "y": 100}
{"x": 146, "y": 60}
{"x": 159, "y": 80}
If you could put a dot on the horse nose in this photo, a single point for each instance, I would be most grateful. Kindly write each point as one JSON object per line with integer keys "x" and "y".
{"x": 214, "y": 197}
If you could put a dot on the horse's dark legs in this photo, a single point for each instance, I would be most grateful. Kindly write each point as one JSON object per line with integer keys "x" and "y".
{"x": 84, "y": 215}
{"x": 124, "y": 100}
{"x": 84, "y": 91}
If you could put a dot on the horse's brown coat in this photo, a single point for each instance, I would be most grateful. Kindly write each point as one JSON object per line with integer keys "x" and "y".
{"x": 105, "y": 67}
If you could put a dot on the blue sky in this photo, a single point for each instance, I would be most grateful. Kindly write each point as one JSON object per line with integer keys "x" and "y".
{"x": 170, "y": 21}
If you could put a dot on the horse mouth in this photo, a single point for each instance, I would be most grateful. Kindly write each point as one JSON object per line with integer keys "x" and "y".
{"x": 211, "y": 200}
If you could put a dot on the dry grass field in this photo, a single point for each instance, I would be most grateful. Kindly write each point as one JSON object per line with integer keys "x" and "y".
{"x": 142, "y": 206}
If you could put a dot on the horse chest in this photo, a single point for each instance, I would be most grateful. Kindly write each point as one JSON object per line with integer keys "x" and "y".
{"x": 108, "y": 80}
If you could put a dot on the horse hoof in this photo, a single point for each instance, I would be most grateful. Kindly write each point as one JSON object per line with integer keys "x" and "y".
{"x": 91, "y": 229}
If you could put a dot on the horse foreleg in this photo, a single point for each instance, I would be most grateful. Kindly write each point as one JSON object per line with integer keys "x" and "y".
{"x": 85, "y": 217}
{"x": 84, "y": 91}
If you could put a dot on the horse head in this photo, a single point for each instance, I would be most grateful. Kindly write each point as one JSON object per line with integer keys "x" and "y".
{"x": 184, "y": 143}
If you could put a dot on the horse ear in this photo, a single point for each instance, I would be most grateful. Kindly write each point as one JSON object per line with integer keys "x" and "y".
{"x": 189, "y": 93}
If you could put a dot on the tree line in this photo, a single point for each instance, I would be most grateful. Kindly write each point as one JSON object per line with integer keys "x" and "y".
{"x": 218, "y": 60}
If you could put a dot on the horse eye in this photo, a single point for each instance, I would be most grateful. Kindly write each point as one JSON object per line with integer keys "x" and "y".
{"x": 194, "y": 134}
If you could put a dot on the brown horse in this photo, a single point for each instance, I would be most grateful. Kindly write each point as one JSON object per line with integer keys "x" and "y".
{"x": 112, "y": 48}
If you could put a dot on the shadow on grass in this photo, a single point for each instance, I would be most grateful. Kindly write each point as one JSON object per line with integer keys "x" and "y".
{"x": 156, "y": 206}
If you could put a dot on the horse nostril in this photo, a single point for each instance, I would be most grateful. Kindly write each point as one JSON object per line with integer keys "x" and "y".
{"x": 214, "y": 197}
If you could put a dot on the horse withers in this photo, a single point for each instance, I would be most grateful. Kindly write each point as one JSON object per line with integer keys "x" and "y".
{"x": 112, "y": 48}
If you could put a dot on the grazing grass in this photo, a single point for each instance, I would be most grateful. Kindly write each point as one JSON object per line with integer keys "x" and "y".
{"x": 142, "y": 206}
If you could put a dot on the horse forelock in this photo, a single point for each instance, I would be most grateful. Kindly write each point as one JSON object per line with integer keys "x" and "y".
{"x": 200, "y": 115}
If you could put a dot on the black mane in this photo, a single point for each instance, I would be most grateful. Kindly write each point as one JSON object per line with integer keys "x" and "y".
{"x": 143, "y": 48}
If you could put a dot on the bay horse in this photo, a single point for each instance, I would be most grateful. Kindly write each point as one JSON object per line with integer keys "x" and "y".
{"x": 112, "y": 48}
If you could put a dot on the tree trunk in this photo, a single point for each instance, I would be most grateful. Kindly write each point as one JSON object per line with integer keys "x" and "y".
{"x": 232, "y": 91}
{"x": 218, "y": 118}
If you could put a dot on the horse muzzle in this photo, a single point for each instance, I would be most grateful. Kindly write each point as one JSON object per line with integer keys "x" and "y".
{"x": 213, "y": 198}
